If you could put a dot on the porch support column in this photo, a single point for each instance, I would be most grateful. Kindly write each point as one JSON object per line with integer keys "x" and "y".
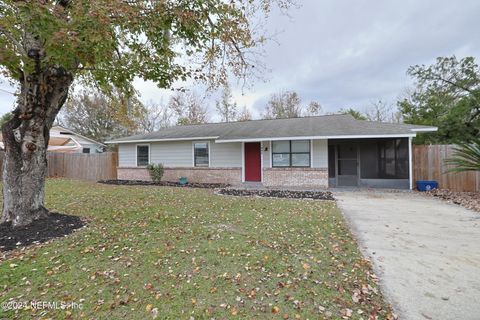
{"x": 410, "y": 163}
{"x": 243, "y": 161}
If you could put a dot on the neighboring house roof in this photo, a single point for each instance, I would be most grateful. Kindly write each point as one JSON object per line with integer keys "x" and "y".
{"x": 62, "y": 131}
{"x": 321, "y": 127}
{"x": 65, "y": 140}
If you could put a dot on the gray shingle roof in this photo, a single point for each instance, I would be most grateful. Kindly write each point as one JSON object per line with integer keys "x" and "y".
{"x": 321, "y": 126}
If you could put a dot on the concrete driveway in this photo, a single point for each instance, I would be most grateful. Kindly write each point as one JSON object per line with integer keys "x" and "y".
{"x": 425, "y": 251}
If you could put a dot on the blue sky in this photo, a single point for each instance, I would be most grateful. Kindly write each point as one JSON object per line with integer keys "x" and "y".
{"x": 345, "y": 53}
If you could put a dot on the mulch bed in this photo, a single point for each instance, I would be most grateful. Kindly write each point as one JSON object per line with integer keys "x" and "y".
{"x": 469, "y": 200}
{"x": 56, "y": 225}
{"x": 315, "y": 195}
{"x": 164, "y": 184}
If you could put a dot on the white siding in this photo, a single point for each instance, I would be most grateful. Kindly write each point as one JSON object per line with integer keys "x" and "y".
{"x": 225, "y": 155}
{"x": 320, "y": 154}
{"x": 266, "y": 154}
{"x": 180, "y": 154}
{"x": 172, "y": 153}
{"x": 126, "y": 155}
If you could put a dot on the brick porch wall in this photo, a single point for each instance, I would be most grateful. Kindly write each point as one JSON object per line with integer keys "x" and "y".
{"x": 231, "y": 176}
{"x": 296, "y": 177}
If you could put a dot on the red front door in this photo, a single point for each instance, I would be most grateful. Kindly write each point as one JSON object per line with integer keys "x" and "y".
{"x": 253, "y": 170}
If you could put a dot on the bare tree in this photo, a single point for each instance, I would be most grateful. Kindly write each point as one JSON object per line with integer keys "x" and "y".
{"x": 244, "y": 115}
{"x": 314, "y": 109}
{"x": 285, "y": 104}
{"x": 154, "y": 117}
{"x": 188, "y": 108}
{"x": 382, "y": 111}
{"x": 226, "y": 107}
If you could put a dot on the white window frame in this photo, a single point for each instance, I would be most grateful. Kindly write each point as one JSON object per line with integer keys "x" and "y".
{"x": 193, "y": 154}
{"x": 311, "y": 151}
{"x": 136, "y": 153}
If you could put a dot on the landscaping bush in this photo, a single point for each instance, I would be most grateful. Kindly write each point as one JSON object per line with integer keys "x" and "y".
{"x": 156, "y": 171}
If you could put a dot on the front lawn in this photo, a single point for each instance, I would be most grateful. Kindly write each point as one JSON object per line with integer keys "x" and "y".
{"x": 178, "y": 253}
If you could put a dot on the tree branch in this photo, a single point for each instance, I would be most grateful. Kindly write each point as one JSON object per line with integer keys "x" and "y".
{"x": 13, "y": 41}
{"x": 456, "y": 85}
{"x": 235, "y": 45}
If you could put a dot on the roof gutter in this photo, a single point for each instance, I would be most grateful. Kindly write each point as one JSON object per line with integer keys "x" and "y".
{"x": 160, "y": 140}
{"x": 429, "y": 129}
{"x": 405, "y": 135}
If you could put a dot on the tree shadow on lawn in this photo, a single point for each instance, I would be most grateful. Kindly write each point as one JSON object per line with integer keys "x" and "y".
{"x": 56, "y": 225}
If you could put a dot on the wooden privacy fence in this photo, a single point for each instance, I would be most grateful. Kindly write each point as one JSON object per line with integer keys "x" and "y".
{"x": 82, "y": 166}
{"x": 428, "y": 164}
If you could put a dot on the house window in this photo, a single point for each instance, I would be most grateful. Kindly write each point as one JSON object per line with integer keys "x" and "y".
{"x": 200, "y": 154}
{"x": 291, "y": 153}
{"x": 86, "y": 150}
{"x": 143, "y": 155}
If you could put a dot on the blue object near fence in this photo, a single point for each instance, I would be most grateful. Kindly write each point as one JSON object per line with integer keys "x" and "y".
{"x": 426, "y": 185}
{"x": 182, "y": 181}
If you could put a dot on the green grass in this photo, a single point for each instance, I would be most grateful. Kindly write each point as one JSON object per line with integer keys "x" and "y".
{"x": 191, "y": 253}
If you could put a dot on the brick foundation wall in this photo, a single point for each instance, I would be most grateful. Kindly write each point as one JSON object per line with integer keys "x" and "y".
{"x": 296, "y": 177}
{"x": 231, "y": 176}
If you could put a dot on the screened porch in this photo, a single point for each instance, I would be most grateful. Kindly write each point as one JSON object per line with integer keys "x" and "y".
{"x": 376, "y": 163}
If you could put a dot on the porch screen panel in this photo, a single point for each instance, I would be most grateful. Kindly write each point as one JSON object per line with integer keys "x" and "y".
{"x": 384, "y": 159}
{"x": 369, "y": 161}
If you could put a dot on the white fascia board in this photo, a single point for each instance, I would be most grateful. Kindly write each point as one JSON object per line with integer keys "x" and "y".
{"x": 160, "y": 140}
{"x": 78, "y": 135}
{"x": 405, "y": 135}
{"x": 430, "y": 129}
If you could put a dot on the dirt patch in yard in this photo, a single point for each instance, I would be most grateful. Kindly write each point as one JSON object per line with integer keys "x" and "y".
{"x": 315, "y": 195}
{"x": 164, "y": 184}
{"x": 469, "y": 200}
{"x": 56, "y": 225}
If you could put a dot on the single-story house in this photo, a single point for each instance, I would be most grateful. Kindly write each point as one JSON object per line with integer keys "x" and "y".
{"x": 66, "y": 140}
{"x": 309, "y": 152}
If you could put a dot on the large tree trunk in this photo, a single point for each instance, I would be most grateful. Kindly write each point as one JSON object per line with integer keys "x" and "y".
{"x": 26, "y": 137}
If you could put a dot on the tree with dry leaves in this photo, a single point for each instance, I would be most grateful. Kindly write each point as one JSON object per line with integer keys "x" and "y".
{"x": 226, "y": 108}
{"x": 99, "y": 117}
{"x": 288, "y": 104}
{"x": 153, "y": 117}
{"x": 244, "y": 115}
{"x": 45, "y": 46}
{"x": 188, "y": 108}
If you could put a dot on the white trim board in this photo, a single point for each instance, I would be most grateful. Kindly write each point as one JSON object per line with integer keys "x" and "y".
{"x": 404, "y": 135}
{"x": 243, "y": 161}
{"x": 432, "y": 129}
{"x": 261, "y": 162}
{"x": 410, "y": 164}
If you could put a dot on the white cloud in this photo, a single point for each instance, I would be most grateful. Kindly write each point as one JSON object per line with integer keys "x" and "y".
{"x": 349, "y": 53}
